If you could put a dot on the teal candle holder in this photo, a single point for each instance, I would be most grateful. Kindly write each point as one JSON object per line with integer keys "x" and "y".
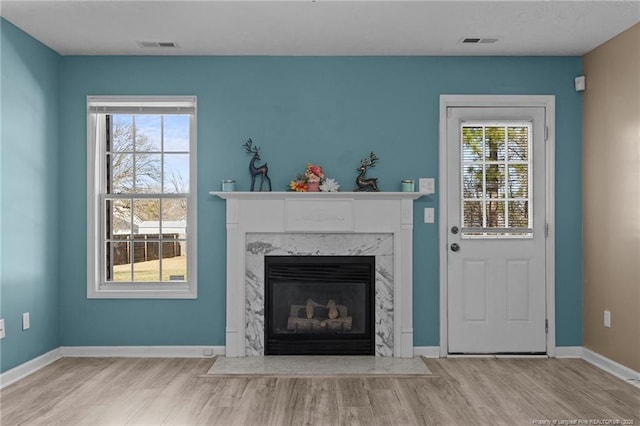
{"x": 408, "y": 185}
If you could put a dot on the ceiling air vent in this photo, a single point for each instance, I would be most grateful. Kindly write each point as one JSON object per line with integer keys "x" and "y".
{"x": 478, "y": 40}
{"x": 158, "y": 44}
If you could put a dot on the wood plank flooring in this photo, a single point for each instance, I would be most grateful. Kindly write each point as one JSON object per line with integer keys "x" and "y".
{"x": 463, "y": 391}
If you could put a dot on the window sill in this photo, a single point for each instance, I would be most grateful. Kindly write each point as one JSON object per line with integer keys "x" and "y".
{"x": 147, "y": 291}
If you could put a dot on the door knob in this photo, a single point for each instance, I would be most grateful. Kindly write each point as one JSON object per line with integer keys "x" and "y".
{"x": 455, "y": 247}
{"x": 454, "y": 230}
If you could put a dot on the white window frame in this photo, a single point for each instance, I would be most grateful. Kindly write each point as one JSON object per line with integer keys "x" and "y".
{"x": 507, "y": 232}
{"x": 97, "y": 286}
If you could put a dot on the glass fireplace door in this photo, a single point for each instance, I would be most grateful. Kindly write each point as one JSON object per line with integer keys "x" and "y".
{"x": 319, "y": 305}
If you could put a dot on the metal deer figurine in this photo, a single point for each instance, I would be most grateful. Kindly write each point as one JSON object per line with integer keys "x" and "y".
{"x": 255, "y": 170}
{"x": 363, "y": 184}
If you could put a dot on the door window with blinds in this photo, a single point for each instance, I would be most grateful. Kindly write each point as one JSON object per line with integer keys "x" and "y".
{"x": 141, "y": 172}
{"x": 496, "y": 180}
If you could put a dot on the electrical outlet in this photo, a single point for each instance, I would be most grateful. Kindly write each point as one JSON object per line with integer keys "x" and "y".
{"x": 2, "y": 328}
{"x": 607, "y": 318}
{"x": 25, "y": 321}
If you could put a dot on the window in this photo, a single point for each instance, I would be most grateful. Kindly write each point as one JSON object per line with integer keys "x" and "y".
{"x": 141, "y": 184}
{"x": 496, "y": 180}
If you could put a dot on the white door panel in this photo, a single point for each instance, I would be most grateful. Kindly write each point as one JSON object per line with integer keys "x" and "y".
{"x": 496, "y": 230}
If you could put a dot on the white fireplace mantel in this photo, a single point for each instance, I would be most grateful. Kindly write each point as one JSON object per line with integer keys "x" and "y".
{"x": 291, "y": 213}
{"x": 279, "y": 195}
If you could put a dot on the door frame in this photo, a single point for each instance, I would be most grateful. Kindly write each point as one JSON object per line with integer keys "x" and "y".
{"x": 549, "y": 103}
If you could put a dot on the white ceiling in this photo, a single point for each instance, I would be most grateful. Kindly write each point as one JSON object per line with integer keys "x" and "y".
{"x": 321, "y": 27}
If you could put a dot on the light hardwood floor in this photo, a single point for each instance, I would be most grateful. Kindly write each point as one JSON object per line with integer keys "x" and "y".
{"x": 462, "y": 391}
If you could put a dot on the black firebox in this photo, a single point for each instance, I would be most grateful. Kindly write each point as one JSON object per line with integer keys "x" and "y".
{"x": 319, "y": 305}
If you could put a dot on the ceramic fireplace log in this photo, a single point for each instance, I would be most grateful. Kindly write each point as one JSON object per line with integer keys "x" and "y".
{"x": 300, "y": 310}
{"x": 333, "y": 311}
{"x": 311, "y": 324}
{"x": 311, "y": 305}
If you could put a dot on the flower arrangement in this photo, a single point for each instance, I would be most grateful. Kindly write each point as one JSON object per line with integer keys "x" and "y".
{"x": 313, "y": 179}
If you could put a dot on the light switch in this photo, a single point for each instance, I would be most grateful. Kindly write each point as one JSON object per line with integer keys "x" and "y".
{"x": 429, "y": 215}
{"x": 25, "y": 321}
{"x": 2, "y": 328}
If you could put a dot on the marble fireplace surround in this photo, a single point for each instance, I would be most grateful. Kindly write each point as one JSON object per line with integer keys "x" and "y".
{"x": 341, "y": 223}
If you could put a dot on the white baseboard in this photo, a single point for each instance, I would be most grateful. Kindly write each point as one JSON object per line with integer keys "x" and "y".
{"x": 611, "y": 367}
{"x": 142, "y": 351}
{"x": 23, "y": 370}
{"x": 569, "y": 351}
{"x": 427, "y": 351}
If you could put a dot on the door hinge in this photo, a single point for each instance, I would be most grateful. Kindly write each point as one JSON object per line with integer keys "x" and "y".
{"x": 546, "y": 230}
{"x": 546, "y": 133}
{"x": 546, "y": 326}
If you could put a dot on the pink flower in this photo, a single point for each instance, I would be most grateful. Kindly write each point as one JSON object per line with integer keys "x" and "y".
{"x": 316, "y": 170}
{"x": 313, "y": 173}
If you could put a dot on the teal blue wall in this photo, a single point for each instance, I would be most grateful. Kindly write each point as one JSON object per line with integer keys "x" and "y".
{"x": 328, "y": 110}
{"x": 332, "y": 111}
{"x": 29, "y": 191}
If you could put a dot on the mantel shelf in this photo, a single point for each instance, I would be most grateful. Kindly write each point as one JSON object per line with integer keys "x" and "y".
{"x": 282, "y": 195}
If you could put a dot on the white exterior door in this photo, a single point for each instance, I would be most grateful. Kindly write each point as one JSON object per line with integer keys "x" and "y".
{"x": 496, "y": 230}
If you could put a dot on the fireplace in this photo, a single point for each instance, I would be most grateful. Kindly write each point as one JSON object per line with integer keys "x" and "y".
{"x": 319, "y": 305}
{"x": 263, "y": 224}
